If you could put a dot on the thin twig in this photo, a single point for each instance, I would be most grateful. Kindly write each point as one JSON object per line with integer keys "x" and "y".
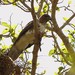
{"x": 26, "y": 6}
{"x": 2, "y": 2}
{"x": 60, "y": 50}
{"x": 21, "y": 7}
{"x": 71, "y": 25}
{"x": 6, "y": 36}
{"x": 40, "y": 7}
{"x": 67, "y": 9}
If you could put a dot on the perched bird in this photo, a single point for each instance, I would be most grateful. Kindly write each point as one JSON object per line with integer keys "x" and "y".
{"x": 26, "y": 37}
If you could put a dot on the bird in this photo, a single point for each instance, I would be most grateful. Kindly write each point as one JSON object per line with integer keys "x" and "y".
{"x": 26, "y": 36}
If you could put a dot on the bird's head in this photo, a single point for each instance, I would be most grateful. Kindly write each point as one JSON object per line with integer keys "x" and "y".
{"x": 44, "y": 18}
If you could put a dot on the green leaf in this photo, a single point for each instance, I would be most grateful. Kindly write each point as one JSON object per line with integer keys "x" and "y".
{"x": 55, "y": 73}
{"x": 65, "y": 18}
{"x": 57, "y": 8}
{"x": 44, "y": 72}
{"x": 27, "y": 72}
{"x": 4, "y": 48}
{"x": 70, "y": 36}
{"x": 36, "y": 8}
{"x": 14, "y": 4}
{"x": 60, "y": 68}
{"x": 14, "y": 26}
{"x": 5, "y": 1}
{"x": 51, "y": 52}
{"x": 5, "y": 24}
{"x": 11, "y": 1}
{"x": 73, "y": 24}
{"x": 30, "y": 62}
{"x": 21, "y": 56}
{"x": 5, "y": 31}
{"x": 69, "y": 1}
{"x": 45, "y": 8}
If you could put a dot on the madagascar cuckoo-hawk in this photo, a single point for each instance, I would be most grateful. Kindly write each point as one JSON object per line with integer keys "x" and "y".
{"x": 26, "y": 37}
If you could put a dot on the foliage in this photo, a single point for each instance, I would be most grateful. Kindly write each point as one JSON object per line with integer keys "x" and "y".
{"x": 63, "y": 52}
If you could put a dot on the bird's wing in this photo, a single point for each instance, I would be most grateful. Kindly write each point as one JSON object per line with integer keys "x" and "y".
{"x": 25, "y": 38}
{"x": 28, "y": 26}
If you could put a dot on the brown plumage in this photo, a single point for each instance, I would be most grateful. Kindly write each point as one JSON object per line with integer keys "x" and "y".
{"x": 26, "y": 37}
{"x": 43, "y": 20}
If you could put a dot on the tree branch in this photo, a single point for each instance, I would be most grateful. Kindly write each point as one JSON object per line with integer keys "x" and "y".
{"x": 21, "y": 7}
{"x": 36, "y": 41}
{"x": 26, "y": 6}
{"x": 67, "y": 21}
{"x": 54, "y": 5}
{"x": 40, "y": 7}
{"x": 2, "y": 2}
{"x": 60, "y": 33}
{"x": 6, "y": 36}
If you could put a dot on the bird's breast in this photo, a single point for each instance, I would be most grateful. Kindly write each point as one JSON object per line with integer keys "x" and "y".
{"x": 41, "y": 28}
